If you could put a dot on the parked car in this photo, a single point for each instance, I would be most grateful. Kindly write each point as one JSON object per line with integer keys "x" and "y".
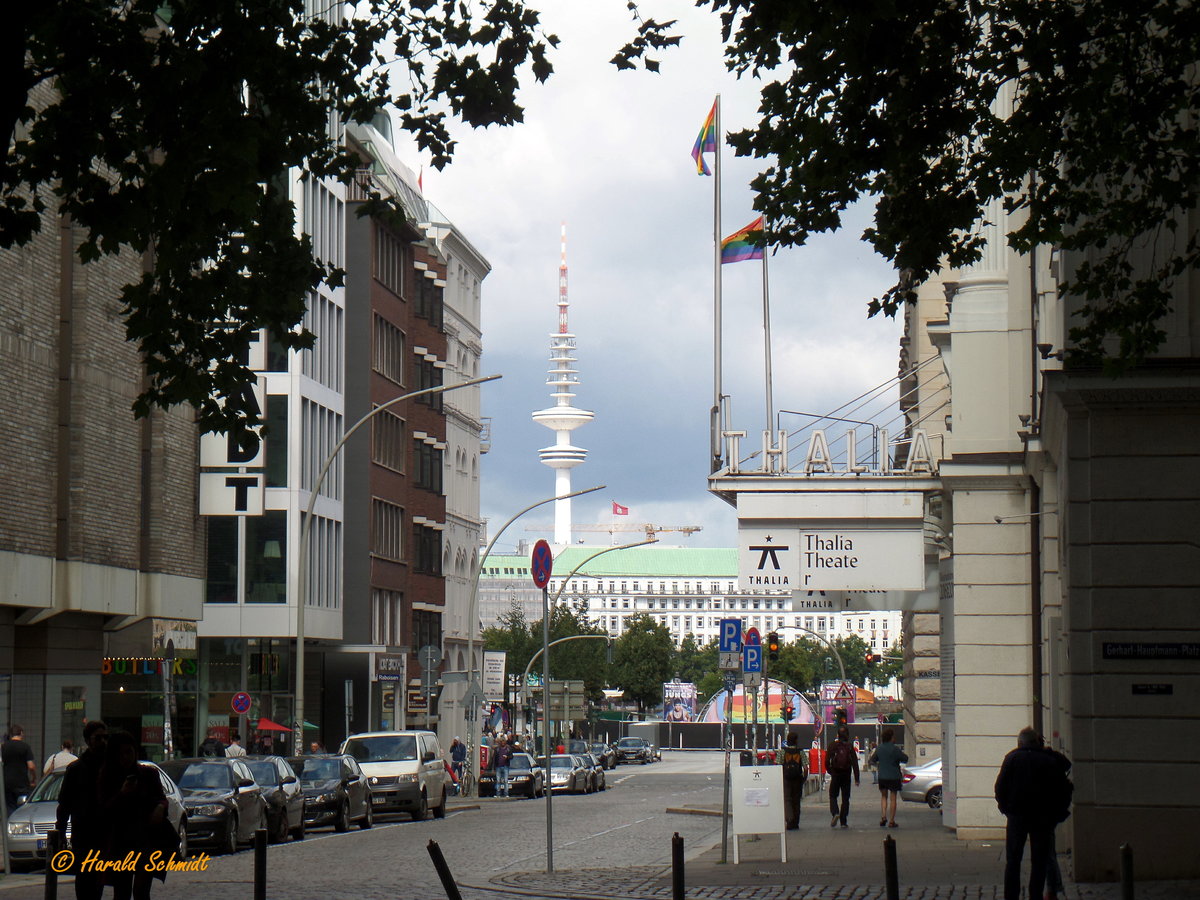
{"x": 526, "y": 777}
{"x": 632, "y": 750}
{"x": 923, "y": 783}
{"x": 30, "y": 824}
{"x": 654, "y": 750}
{"x": 335, "y": 791}
{"x": 404, "y": 769}
{"x": 599, "y": 782}
{"x": 285, "y": 798}
{"x": 605, "y": 753}
{"x": 223, "y": 802}
{"x": 568, "y": 773}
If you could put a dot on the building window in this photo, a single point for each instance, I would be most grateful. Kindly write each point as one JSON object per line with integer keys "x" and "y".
{"x": 429, "y": 301}
{"x": 625, "y": 604}
{"x": 427, "y": 374}
{"x": 277, "y": 440}
{"x": 221, "y": 585}
{"x": 427, "y": 550}
{"x": 391, "y": 260}
{"x": 387, "y": 611}
{"x": 387, "y": 440}
{"x": 427, "y": 628}
{"x": 266, "y": 557}
{"x": 427, "y": 471}
{"x": 387, "y": 529}
{"x": 388, "y": 350}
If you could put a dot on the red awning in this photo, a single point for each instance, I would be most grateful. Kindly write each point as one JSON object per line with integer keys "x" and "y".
{"x": 268, "y": 725}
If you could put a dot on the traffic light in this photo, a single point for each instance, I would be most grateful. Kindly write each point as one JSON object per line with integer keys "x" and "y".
{"x": 788, "y": 712}
{"x": 773, "y": 646}
{"x": 871, "y": 658}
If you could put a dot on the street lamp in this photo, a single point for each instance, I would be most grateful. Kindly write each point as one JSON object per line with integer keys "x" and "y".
{"x": 306, "y": 527}
{"x": 473, "y": 615}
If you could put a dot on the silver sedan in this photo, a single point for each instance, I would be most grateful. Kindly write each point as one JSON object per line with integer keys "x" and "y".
{"x": 923, "y": 783}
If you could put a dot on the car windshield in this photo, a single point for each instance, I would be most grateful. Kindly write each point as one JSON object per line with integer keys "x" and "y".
{"x": 316, "y": 769}
{"x": 200, "y": 776}
{"x": 385, "y": 748}
{"x": 598, "y": 748}
{"x": 47, "y": 789}
{"x": 561, "y": 762}
{"x": 520, "y": 763}
{"x": 630, "y": 743}
{"x": 263, "y": 771}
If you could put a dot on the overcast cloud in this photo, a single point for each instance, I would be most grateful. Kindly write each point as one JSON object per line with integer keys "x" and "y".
{"x": 608, "y": 152}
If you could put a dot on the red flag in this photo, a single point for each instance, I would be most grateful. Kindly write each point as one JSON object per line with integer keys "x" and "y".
{"x": 421, "y": 181}
{"x": 619, "y": 510}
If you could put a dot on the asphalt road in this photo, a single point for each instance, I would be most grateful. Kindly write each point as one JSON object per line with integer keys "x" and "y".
{"x": 625, "y": 826}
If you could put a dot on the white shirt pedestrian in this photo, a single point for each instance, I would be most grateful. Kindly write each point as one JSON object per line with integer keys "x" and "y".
{"x": 59, "y": 761}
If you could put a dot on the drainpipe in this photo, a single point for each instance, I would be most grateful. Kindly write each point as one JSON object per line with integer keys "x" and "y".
{"x": 1035, "y": 600}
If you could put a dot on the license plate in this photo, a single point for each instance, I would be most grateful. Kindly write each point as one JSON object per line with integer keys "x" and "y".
{"x": 41, "y": 845}
{"x": 379, "y": 801}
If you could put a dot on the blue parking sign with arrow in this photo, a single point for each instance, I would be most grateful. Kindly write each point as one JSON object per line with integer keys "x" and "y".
{"x": 752, "y": 658}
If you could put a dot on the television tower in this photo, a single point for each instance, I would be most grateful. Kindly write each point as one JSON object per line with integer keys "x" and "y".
{"x": 562, "y": 418}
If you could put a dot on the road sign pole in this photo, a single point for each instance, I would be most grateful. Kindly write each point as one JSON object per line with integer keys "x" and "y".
{"x": 546, "y": 728}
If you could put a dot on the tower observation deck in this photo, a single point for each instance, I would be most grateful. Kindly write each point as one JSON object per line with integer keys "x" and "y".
{"x": 562, "y": 418}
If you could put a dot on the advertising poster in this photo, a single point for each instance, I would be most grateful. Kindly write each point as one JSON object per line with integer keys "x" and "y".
{"x": 679, "y": 701}
{"x": 493, "y": 674}
{"x": 770, "y": 706}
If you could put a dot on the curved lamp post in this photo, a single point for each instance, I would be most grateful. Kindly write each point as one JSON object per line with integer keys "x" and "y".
{"x": 306, "y": 527}
{"x": 473, "y": 616}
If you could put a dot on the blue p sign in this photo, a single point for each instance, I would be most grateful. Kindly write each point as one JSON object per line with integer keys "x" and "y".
{"x": 752, "y": 658}
{"x": 730, "y": 640}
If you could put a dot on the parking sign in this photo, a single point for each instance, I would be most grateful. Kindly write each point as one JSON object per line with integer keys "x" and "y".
{"x": 731, "y": 635}
{"x": 752, "y": 658}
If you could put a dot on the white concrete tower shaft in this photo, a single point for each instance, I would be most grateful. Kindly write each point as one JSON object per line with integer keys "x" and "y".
{"x": 562, "y": 418}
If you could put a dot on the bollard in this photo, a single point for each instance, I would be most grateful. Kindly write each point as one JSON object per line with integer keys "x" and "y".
{"x": 1126, "y": 872}
{"x": 260, "y": 864}
{"x": 443, "y": 870}
{"x": 891, "y": 875}
{"x": 677, "y": 867}
{"x": 53, "y": 845}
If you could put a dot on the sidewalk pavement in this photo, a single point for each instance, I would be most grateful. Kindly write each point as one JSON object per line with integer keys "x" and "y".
{"x": 825, "y": 863}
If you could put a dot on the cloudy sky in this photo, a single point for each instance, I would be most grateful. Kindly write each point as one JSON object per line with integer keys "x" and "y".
{"x": 608, "y": 153}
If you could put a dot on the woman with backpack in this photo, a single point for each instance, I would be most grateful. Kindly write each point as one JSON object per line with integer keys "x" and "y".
{"x": 887, "y": 757}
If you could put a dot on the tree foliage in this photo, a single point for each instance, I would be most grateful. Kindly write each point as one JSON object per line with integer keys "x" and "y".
{"x": 166, "y": 129}
{"x": 643, "y": 658}
{"x": 906, "y": 103}
{"x": 584, "y": 660}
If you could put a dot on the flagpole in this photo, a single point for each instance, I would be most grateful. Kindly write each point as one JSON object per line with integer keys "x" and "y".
{"x": 766, "y": 292}
{"x": 717, "y": 425}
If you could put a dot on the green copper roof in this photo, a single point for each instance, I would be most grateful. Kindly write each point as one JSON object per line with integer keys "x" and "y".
{"x": 648, "y": 562}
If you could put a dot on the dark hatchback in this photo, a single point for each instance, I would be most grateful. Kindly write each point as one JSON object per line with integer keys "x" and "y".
{"x": 335, "y": 791}
{"x": 224, "y": 804}
{"x": 281, "y": 790}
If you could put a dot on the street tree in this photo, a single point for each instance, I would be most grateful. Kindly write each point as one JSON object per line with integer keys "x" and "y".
{"x": 643, "y": 659}
{"x": 167, "y": 129}
{"x": 909, "y": 104}
{"x": 693, "y": 661}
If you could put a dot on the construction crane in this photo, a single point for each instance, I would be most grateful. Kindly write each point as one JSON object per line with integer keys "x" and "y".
{"x": 646, "y": 528}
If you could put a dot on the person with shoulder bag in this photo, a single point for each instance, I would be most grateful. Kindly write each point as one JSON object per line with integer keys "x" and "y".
{"x": 795, "y": 774}
{"x": 888, "y": 757}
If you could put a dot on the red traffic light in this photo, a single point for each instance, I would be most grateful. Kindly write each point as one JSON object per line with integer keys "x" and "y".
{"x": 871, "y": 659}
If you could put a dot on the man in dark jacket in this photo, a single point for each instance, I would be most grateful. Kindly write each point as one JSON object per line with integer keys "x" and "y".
{"x": 842, "y": 762}
{"x": 1033, "y": 792}
{"x": 795, "y": 773}
{"x": 79, "y": 802}
{"x": 212, "y": 745}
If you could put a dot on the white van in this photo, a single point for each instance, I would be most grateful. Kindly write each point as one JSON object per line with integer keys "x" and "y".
{"x": 404, "y": 769}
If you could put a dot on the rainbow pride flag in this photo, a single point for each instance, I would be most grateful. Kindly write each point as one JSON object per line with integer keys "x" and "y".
{"x": 738, "y": 246}
{"x": 706, "y": 141}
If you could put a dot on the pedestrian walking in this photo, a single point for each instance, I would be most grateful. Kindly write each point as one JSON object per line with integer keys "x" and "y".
{"x": 20, "y": 773}
{"x": 134, "y": 810}
{"x": 235, "y": 748}
{"x": 458, "y": 758}
{"x": 212, "y": 744}
{"x": 58, "y": 762}
{"x": 842, "y": 762}
{"x": 795, "y": 774}
{"x": 79, "y": 807}
{"x": 1034, "y": 793}
{"x": 887, "y": 757}
{"x": 503, "y": 758}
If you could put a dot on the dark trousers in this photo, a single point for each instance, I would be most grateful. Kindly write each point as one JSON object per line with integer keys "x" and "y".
{"x": 839, "y": 782}
{"x": 1041, "y": 839}
{"x": 793, "y": 791}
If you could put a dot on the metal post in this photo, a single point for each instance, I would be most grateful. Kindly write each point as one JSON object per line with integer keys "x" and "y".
{"x": 168, "y": 734}
{"x": 443, "y": 870}
{"x": 260, "y": 864}
{"x": 53, "y": 845}
{"x": 727, "y": 730}
{"x": 677, "y": 867}
{"x": 891, "y": 875}
{"x": 1126, "y": 872}
{"x": 546, "y": 729}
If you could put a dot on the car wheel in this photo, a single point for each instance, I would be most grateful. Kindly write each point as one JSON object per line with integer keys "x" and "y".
{"x": 934, "y": 798}
{"x": 439, "y": 811}
{"x": 229, "y": 843}
{"x": 342, "y": 822}
{"x": 182, "y": 852}
{"x": 418, "y": 814}
{"x": 369, "y": 819}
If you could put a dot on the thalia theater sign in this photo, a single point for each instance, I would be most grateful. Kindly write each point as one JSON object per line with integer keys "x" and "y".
{"x": 846, "y": 541}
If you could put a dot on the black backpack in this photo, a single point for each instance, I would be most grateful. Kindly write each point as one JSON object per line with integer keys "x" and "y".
{"x": 793, "y": 764}
{"x": 841, "y": 757}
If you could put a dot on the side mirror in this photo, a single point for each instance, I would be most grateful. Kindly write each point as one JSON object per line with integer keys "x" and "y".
{"x": 244, "y": 783}
{"x": 291, "y": 779}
